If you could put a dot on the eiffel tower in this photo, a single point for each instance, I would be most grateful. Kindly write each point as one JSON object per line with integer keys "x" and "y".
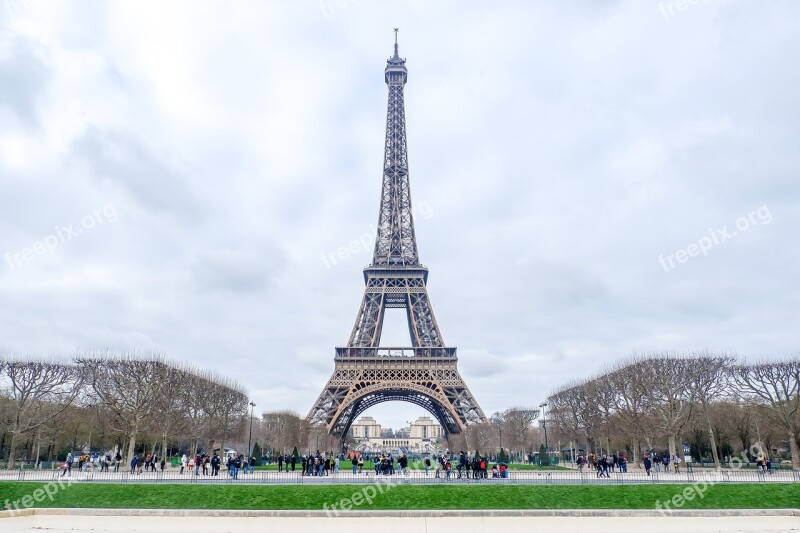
{"x": 425, "y": 373}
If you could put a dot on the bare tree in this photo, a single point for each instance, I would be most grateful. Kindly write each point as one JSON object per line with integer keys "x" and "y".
{"x": 227, "y": 412}
{"x": 669, "y": 393}
{"x": 710, "y": 381}
{"x": 130, "y": 386}
{"x": 481, "y": 437}
{"x": 777, "y": 386}
{"x": 283, "y": 430}
{"x": 40, "y": 391}
{"x": 518, "y": 425}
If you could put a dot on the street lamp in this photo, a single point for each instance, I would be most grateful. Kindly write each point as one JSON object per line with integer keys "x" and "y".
{"x": 250, "y": 437}
{"x": 544, "y": 425}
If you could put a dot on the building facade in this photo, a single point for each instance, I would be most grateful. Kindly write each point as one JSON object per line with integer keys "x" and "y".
{"x": 421, "y": 436}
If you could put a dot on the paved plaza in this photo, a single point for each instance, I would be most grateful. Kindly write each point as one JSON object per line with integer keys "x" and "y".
{"x": 200, "y": 521}
{"x": 532, "y": 477}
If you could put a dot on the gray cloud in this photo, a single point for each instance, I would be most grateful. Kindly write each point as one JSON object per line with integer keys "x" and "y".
{"x": 562, "y": 148}
{"x": 23, "y": 75}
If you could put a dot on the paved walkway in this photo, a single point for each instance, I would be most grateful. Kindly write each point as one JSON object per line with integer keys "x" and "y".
{"x": 395, "y": 524}
{"x": 416, "y": 477}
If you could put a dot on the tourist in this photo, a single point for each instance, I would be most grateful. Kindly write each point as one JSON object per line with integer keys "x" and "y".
{"x": 360, "y": 464}
{"x": 336, "y": 465}
{"x": 462, "y": 463}
{"x": 184, "y": 462}
{"x": 647, "y": 464}
{"x": 438, "y": 465}
{"x": 665, "y": 462}
{"x": 280, "y": 462}
{"x": 215, "y": 461}
{"x": 675, "y": 462}
{"x": 427, "y": 464}
{"x": 403, "y": 462}
{"x": 134, "y": 461}
{"x": 602, "y": 469}
{"x": 293, "y": 461}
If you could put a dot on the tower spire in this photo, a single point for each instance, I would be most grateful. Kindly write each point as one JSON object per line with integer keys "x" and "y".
{"x": 424, "y": 373}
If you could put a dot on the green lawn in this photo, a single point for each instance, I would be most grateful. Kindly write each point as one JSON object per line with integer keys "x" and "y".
{"x": 174, "y": 496}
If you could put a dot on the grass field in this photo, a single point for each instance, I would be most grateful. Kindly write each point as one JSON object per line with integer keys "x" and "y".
{"x": 728, "y": 496}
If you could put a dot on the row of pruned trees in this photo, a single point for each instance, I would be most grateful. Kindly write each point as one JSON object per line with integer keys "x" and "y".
{"x": 663, "y": 398}
{"x": 127, "y": 401}
{"x": 511, "y": 430}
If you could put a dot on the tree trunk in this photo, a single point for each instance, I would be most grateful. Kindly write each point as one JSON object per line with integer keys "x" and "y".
{"x": 131, "y": 446}
{"x": 672, "y": 450}
{"x": 12, "y": 445}
{"x": 635, "y": 454}
{"x": 38, "y": 448}
{"x": 792, "y": 446}
{"x": 713, "y": 442}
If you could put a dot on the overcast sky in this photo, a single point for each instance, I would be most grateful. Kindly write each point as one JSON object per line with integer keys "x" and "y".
{"x": 591, "y": 180}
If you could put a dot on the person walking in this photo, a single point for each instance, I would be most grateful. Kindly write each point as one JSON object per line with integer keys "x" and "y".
{"x": 675, "y": 462}
{"x": 403, "y": 462}
{"x": 184, "y": 462}
{"x": 134, "y": 462}
{"x": 427, "y": 464}
{"x": 647, "y": 464}
{"x": 215, "y": 465}
{"x": 280, "y": 463}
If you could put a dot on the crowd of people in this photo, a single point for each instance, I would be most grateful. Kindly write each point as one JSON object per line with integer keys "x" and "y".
{"x": 319, "y": 464}
{"x": 605, "y": 465}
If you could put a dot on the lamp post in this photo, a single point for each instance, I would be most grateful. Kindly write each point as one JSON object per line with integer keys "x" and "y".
{"x": 544, "y": 425}
{"x": 250, "y": 437}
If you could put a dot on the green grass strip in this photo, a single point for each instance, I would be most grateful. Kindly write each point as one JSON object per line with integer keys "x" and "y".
{"x": 404, "y": 497}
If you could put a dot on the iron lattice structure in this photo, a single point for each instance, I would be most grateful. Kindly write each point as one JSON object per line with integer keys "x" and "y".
{"x": 426, "y": 373}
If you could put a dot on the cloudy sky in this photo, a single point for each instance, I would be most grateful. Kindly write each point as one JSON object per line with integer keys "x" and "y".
{"x": 591, "y": 179}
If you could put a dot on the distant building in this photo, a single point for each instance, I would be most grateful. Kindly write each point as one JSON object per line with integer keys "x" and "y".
{"x": 421, "y": 436}
{"x": 366, "y": 429}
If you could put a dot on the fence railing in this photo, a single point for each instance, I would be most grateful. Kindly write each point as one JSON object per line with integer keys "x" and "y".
{"x": 543, "y": 477}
